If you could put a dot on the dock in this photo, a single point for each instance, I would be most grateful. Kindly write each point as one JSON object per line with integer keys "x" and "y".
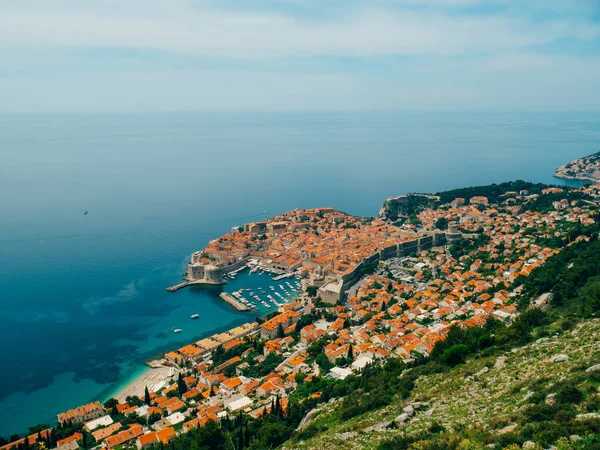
{"x": 232, "y": 301}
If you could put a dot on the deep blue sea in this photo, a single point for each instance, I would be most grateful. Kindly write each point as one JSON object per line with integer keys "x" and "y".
{"x": 82, "y": 298}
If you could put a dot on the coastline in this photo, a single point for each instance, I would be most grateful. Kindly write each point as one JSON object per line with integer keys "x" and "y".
{"x": 579, "y": 178}
{"x": 152, "y": 373}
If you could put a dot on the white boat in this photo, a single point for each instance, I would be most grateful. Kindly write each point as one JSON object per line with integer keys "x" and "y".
{"x": 177, "y": 330}
{"x": 194, "y": 316}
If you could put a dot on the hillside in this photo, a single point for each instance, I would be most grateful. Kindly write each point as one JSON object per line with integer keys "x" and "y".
{"x": 486, "y": 399}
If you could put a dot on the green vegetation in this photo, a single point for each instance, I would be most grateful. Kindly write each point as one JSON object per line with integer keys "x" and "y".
{"x": 493, "y": 192}
{"x": 441, "y": 223}
{"x": 408, "y": 206}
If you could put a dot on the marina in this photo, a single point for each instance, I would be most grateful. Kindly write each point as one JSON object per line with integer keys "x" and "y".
{"x": 245, "y": 299}
{"x": 275, "y": 298}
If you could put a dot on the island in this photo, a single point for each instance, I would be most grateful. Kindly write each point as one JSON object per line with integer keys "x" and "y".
{"x": 583, "y": 169}
{"x": 435, "y": 293}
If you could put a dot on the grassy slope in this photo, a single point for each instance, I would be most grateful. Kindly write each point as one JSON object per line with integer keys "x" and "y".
{"x": 459, "y": 400}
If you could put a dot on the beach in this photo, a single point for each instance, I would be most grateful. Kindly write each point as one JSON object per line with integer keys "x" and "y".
{"x": 154, "y": 378}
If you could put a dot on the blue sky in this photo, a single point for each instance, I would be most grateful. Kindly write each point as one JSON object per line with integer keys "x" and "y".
{"x": 267, "y": 55}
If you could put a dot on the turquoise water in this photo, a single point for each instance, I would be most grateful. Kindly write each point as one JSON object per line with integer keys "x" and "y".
{"x": 82, "y": 298}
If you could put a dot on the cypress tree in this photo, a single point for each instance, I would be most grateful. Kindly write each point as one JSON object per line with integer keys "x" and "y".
{"x": 241, "y": 435}
{"x": 146, "y": 396}
{"x": 181, "y": 387}
{"x": 247, "y": 436}
{"x": 350, "y": 353}
{"x": 278, "y": 406}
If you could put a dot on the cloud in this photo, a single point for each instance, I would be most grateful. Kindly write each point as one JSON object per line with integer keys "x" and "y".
{"x": 298, "y": 54}
{"x": 211, "y": 32}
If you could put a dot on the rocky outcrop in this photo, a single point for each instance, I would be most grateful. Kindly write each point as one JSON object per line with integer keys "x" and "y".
{"x": 593, "y": 369}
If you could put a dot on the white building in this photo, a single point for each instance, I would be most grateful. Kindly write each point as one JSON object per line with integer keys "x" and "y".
{"x": 339, "y": 373}
{"x": 175, "y": 418}
{"x": 237, "y": 402}
{"x": 102, "y": 422}
{"x": 361, "y": 362}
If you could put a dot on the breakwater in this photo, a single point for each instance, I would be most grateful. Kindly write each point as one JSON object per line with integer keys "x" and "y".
{"x": 184, "y": 284}
{"x": 230, "y": 300}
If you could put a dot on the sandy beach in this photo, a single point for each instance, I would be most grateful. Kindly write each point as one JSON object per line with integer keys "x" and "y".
{"x": 154, "y": 379}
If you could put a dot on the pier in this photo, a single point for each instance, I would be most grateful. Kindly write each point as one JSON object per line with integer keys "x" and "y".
{"x": 178, "y": 286}
{"x": 232, "y": 301}
{"x": 285, "y": 275}
{"x": 188, "y": 283}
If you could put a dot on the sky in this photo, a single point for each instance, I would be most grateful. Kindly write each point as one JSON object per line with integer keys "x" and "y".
{"x": 299, "y": 55}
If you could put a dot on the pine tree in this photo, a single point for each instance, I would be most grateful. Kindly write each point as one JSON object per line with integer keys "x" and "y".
{"x": 350, "y": 353}
{"x": 146, "y": 396}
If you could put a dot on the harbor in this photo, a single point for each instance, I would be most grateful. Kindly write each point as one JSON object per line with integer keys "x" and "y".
{"x": 265, "y": 294}
{"x": 262, "y": 293}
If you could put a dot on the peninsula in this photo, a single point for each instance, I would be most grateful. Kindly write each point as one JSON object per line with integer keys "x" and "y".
{"x": 327, "y": 249}
{"x": 584, "y": 169}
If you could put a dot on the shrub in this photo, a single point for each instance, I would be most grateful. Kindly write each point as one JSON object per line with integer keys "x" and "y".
{"x": 568, "y": 393}
{"x": 455, "y": 354}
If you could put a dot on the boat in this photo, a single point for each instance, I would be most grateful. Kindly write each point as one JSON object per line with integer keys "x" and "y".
{"x": 194, "y": 316}
{"x": 177, "y": 330}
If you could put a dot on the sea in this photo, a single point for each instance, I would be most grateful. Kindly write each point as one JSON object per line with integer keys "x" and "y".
{"x": 82, "y": 296}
